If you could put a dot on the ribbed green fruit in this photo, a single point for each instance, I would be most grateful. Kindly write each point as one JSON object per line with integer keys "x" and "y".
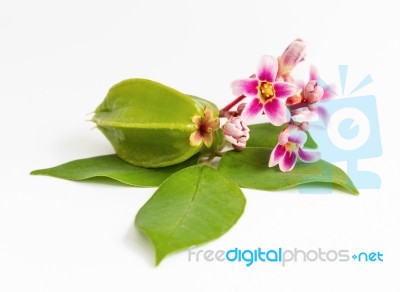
{"x": 150, "y": 124}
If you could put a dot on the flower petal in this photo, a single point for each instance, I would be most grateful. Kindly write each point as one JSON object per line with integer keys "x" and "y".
{"x": 230, "y": 130}
{"x": 213, "y": 124}
{"x": 283, "y": 137}
{"x": 208, "y": 139}
{"x": 277, "y": 112}
{"x": 323, "y": 114}
{"x": 329, "y": 92}
{"x": 284, "y": 89}
{"x": 239, "y": 146}
{"x": 288, "y": 161}
{"x": 292, "y": 55}
{"x": 243, "y": 139}
{"x": 276, "y": 155}
{"x": 304, "y": 115}
{"x": 267, "y": 68}
{"x": 197, "y": 121}
{"x": 297, "y": 136}
{"x": 300, "y": 84}
{"x": 195, "y": 138}
{"x": 244, "y": 127}
{"x": 247, "y": 87}
{"x": 252, "y": 109}
{"x": 308, "y": 155}
{"x": 230, "y": 139}
{"x": 313, "y": 73}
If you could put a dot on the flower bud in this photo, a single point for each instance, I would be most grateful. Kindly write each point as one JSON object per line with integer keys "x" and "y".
{"x": 304, "y": 126}
{"x": 292, "y": 55}
{"x": 152, "y": 125}
{"x": 313, "y": 92}
{"x": 236, "y": 133}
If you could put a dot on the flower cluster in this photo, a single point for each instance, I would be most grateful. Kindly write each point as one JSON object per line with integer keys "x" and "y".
{"x": 273, "y": 92}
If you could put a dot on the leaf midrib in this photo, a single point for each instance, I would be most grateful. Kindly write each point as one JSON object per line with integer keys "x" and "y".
{"x": 189, "y": 206}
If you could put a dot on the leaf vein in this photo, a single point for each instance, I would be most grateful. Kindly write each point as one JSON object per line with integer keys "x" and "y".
{"x": 189, "y": 206}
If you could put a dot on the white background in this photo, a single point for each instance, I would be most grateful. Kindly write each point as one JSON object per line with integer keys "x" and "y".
{"x": 57, "y": 61}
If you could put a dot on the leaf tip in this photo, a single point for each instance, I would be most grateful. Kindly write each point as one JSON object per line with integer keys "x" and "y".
{"x": 159, "y": 257}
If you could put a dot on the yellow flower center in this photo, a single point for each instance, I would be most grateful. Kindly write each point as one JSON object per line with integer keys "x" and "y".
{"x": 267, "y": 91}
{"x": 291, "y": 146}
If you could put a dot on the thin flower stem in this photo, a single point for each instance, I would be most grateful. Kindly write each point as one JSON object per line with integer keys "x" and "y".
{"x": 209, "y": 159}
{"x": 223, "y": 111}
{"x": 228, "y": 114}
{"x": 298, "y": 106}
{"x": 218, "y": 153}
{"x": 222, "y": 146}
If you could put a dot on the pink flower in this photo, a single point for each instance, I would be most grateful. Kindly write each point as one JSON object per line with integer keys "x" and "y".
{"x": 327, "y": 90}
{"x": 269, "y": 96}
{"x": 236, "y": 132}
{"x": 313, "y": 92}
{"x": 327, "y": 94}
{"x": 292, "y": 55}
{"x": 289, "y": 147}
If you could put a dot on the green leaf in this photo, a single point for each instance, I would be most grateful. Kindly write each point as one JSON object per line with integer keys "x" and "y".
{"x": 249, "y": 168}
{"x": 149, "y": 124}
{"x": 191, "y": 207}
{"x": 266, "y": 135}
{"x": 110, "y": 166}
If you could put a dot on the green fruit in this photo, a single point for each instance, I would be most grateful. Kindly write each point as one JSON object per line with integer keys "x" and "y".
{"x": 151, "y": 125}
